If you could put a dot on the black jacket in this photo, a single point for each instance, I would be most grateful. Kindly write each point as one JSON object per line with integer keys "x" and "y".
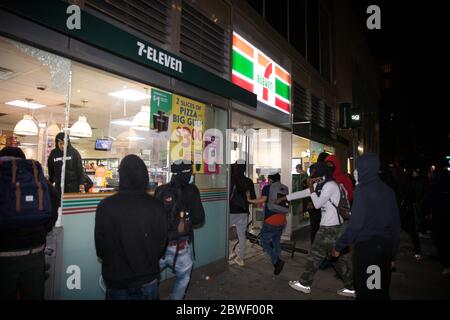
{"x": 374, "y": 211}
{"x": 130, "y": 229}
{"x": 74, "y": 168}
{"x": 191, "y": 199}
{"x": 27, "y": 238}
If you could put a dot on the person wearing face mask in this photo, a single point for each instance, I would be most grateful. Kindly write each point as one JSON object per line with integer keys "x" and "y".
{"x": 374, "y": 229}
{"x": 339, "y": 176}
{"x": 325, "y": 194}
{"x": 184, "y": 210}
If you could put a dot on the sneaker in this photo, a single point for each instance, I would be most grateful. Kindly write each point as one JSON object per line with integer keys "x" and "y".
{"x": 446, "y": 272}
{"x": 278, "y": 267}
{"x": 239, "y": 261}
{"x": 346, "y": 293}
{"x": 296, "y": 285}
{"x": 418, "y": 257}
{"x": 424, "y": 235}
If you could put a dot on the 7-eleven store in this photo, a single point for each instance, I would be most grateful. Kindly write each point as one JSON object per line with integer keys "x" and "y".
{"x": 267, "y": 148}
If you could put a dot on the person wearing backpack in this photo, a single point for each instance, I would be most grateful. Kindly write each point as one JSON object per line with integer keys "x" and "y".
{"x": 184, "y": 210}
{"x": 130, "y": 235}
{"x": 240, "y": 186}
{"x": 274, "y": 219}
{"x": 374, "y": 228}
{"x": 24, "y": 225}
{"x": 328, "y": 196}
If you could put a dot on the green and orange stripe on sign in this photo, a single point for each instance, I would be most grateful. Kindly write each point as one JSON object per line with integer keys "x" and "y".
{"x": 282, "y": 89}
{"x": 242, "y": 64}
{"x": 255, "y": 72}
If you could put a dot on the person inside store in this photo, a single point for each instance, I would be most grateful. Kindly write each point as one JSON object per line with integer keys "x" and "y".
{"x": 75, "y": 177}
{"x": 23, "y": 240}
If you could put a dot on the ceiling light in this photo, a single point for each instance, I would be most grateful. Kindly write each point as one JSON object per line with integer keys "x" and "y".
{"x": 81, "y": 128}
{"x": 129, "y": 95}
{"x": 25, "y": 104}
{"x": 135, "y": 138}
{"x": 73, "y": 138}
{"x": 53, "y": 130}
{"x": 26, "y": 127}
{"x": 126, "y": 123}
{"x": 28, "y": 144}
{"x": 141, "y": 120}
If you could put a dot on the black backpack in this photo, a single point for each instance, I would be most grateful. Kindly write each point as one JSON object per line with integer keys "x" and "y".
{"x": 178, "y": 218}
{"x": 24, "y": 194}
{"x": 343, "y": 208}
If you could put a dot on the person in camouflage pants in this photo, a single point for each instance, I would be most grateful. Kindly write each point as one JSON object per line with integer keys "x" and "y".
{"x": 321, "y": 249}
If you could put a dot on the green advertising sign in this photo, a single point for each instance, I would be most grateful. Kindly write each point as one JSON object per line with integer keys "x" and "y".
{"x": 160, "y": 106}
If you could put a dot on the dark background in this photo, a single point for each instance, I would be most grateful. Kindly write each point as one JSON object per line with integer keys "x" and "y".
{"x": 414, "y": 39}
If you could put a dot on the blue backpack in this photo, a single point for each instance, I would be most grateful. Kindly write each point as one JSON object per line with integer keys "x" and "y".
{"x": 24, "y": 194}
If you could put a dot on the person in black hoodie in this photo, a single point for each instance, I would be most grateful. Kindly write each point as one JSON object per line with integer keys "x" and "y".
{"x": 74, "y": 177}
{"x": 184, "y": 198}
{"x": 240, "y": 187}
{"x": 22, "y": 258}
{"x": 130, "y": 235}
{"x": 374, "y": 228}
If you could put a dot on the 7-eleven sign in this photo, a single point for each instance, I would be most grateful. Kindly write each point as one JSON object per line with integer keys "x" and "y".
{"x": 255, "y": 72}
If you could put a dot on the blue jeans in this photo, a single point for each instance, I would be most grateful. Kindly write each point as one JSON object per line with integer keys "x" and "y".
{"x": 270, "y": 240}
{"x": 183, "y": 268}
{"x": 148, "y": 291}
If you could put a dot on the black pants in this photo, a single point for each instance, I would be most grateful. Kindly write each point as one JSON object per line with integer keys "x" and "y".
{"x": 376, "y": 251}
{"x": 409, "y": 225}
{"x": 24, "y": 276}
{"x": 441, "y": 237}
{"x": 314, "y": 220}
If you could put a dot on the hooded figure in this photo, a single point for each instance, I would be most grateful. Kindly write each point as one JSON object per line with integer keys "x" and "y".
{"x": 74, "y": 169}
{"x": 374, "y": 227}
{"x": 183, "y": 207}
{"x": 339, "y": 176}
{"x": 321, "y": 170}
{"x": 182, "y": 172}
{"x": 130, "y": 234}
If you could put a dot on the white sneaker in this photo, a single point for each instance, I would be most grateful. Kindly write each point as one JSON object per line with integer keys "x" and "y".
{"x": 346, "y": 293}
{"x": 296, "y": 285}
{"x": 239, "y": 261}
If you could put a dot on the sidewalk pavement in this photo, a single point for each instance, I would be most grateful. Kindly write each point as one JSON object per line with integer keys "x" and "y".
{"x": 413, "y": 280}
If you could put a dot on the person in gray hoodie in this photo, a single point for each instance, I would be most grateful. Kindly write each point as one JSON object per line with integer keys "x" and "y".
{"x": 374, "y": 228}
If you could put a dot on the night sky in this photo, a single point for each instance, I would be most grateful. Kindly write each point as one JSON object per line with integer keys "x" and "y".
{"x": 414, "y": 38}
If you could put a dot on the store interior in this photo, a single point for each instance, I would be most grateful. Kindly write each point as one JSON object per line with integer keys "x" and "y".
{"x": 108, "y": 109}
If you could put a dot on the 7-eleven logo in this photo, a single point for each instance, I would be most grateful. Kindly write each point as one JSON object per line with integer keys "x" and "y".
{"x": 255, "y": 72}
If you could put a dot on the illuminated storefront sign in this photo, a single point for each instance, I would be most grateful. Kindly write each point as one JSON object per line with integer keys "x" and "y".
{"x": 257, "y": 73}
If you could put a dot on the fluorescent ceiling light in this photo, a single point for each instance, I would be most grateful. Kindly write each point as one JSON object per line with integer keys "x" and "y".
{"x": 28, "y": 144}
{"x": 129, "y": 95}
{"x": 122, "y": 123}
{"x": 74, "y": 138}
{"x": 135, "y": 138}
{"x": 25, "y": 104}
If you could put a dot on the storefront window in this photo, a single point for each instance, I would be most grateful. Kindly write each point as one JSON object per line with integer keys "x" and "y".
{"x": 34, "y": 89}
{"x": 115, "y": 113}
